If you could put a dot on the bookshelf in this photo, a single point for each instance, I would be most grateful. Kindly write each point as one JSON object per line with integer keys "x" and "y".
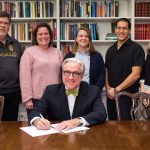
{"x": 71, "y": 15}
{"x": 65, "y": 16}
{"x": 26, "y": 14}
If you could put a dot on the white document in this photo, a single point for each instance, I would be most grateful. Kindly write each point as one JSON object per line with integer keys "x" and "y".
{"x": 79, "y": 128}
{"x": 75, "y": 129}
{"x": 33, "y": 131}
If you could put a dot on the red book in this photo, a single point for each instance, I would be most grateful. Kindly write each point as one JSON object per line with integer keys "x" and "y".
{"x": 139, "y": 12}
{"x": 147, "y": 31}
{"x": 148, "y": 9}
{"x": 136, "y": 32}
{"x": 144, "y": 32}
{"x": 139, "y": 31}
{"x": 66, "y": 49}
{"x": 142, "y": 9}
{"x": 136, "y": 9}
{"x": 7, "y": 7}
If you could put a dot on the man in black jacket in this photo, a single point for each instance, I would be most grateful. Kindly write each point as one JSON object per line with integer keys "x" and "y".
{"x": 10, "y": 53}
{"x": 73, "y": 102}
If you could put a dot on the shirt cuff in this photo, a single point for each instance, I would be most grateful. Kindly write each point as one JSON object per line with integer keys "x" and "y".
{"x": 31, "y": 122}
{"x": 85, "y": 123}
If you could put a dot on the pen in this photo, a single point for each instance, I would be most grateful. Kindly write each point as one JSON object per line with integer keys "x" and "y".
{"x": 44, "y": 118}
{"x": 41, "y": 116}
{"x": 50, "y": 125}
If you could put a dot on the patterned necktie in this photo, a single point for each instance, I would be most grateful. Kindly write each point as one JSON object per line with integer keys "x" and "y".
{"x": 74, "y": 92}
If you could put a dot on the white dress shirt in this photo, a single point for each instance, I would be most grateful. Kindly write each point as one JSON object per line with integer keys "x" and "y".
{"x": 85, "y": 58}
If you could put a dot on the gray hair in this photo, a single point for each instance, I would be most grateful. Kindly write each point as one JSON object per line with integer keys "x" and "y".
{"x": 75, "y": 60}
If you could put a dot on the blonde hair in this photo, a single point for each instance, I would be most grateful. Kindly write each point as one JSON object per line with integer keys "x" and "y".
{"x": 91, "y": 46}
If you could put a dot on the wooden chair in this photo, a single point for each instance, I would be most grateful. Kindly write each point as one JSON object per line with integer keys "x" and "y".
{"x": 1, "y": 105}
{"x": 140, "y": 105}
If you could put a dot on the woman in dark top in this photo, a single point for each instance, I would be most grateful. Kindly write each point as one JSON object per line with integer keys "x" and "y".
{"x": 84, "y": 50}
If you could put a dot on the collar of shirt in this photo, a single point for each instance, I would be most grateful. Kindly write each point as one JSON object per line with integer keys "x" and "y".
{"x": 83, "y": 53}
{"x": 127, "y": 42}
{"x": 8, "y": 41}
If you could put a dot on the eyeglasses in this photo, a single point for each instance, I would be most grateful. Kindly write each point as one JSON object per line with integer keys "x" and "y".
{"x": 122, "y": 28}
{"x": 74, "y": 74}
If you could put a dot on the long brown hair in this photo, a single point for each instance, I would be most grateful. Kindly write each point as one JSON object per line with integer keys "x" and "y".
{"x": 91, "y": 46}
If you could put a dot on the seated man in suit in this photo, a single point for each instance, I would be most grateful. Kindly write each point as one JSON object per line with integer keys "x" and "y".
{"x": 73, "y": 102}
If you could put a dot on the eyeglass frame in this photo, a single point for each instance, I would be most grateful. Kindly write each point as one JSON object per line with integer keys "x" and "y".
{"x": 122, "y": 28}
{"x": 74, "y": 74}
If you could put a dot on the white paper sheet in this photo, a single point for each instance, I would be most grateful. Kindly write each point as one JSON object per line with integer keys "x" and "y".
{"x": 75, "y": 129}
{"x": 33, "y": 131}
{"x": 79, "y": 128}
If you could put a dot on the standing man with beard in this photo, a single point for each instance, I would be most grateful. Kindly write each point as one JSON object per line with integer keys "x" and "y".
{"x": 124, "y": 62}
{"x": 10, "y": 53}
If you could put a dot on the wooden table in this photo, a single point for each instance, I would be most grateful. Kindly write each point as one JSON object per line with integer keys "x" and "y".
{"x": 112, "y": 135}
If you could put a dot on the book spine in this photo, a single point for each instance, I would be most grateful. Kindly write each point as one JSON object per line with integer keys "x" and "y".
{"x": 93, "y": 9}
{"x": 66, "y": 49}
{"x": 91, "y": 31}
{"x": 55, "y": 31}
{"x": 116, "y": 8}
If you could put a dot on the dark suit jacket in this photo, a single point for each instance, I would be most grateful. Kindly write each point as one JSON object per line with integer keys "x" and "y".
{"x": 88, "y": 104}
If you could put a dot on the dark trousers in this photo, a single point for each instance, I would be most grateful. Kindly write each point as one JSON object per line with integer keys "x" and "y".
{"x": 11, "y": 106}
{"x": 125, "y": 104}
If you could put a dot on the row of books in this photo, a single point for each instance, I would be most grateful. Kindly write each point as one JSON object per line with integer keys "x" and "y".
{"x": 30, "y": 9}
{"x": 142, "y": 32}
{"x": 68, "y": 31}
{"x": 105, "y": 8}
{"x": 23, "y": 31}
{"x": 142, "y": 9}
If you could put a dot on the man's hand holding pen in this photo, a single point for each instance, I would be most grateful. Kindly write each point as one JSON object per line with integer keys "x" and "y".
{"x": 42, "y": 124}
